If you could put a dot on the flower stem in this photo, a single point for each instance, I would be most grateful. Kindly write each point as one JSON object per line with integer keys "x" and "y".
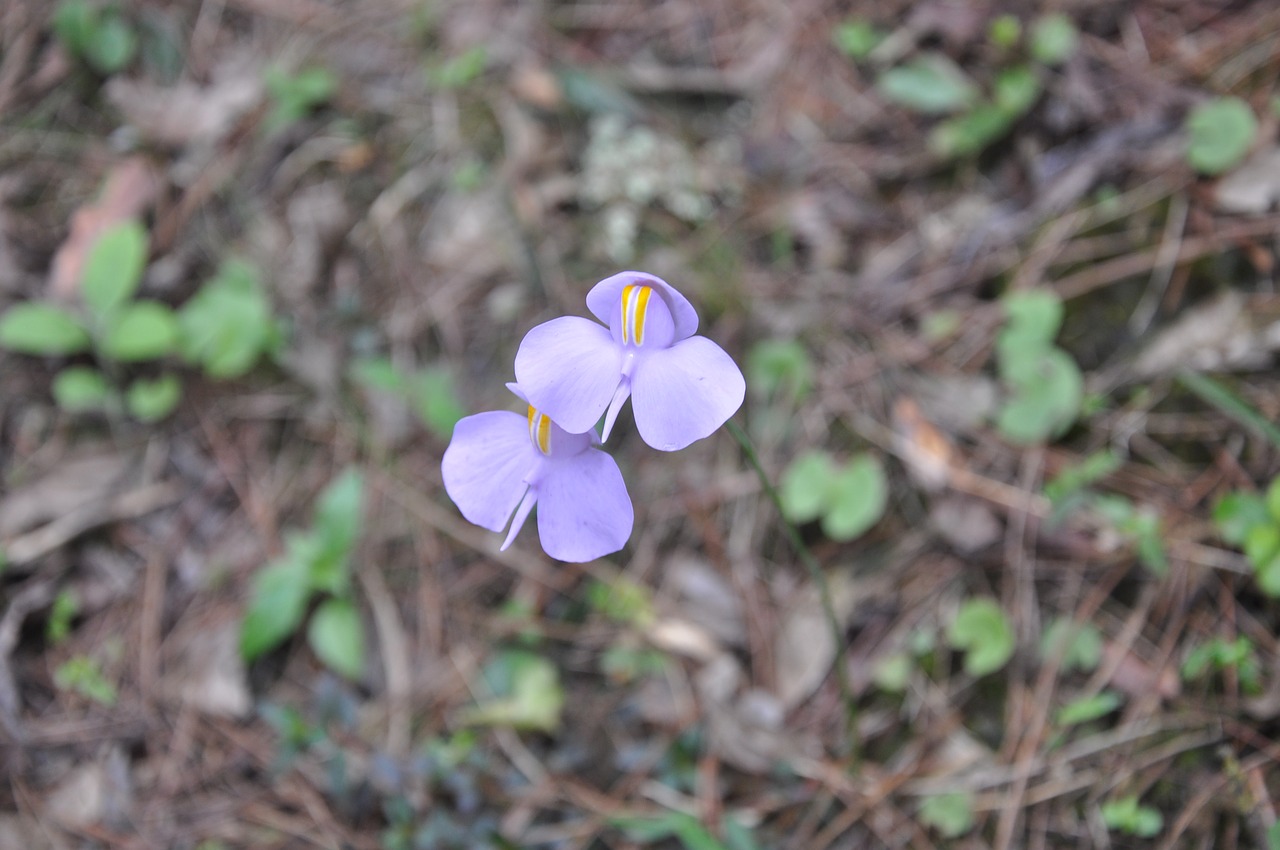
{"x": 815, "y": 573}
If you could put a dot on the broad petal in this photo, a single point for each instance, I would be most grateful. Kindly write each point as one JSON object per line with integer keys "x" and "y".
{"x": 605, "y": 299}
{"x": 584, "y": 511}
{"x": 683, "y": 393}
{"x": 486, "y": 464}
{"x": 569, "y": 368}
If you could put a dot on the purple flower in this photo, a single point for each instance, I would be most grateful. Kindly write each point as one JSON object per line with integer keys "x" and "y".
{"x": 499, "y": 463}
{"x": 682, "y": 387}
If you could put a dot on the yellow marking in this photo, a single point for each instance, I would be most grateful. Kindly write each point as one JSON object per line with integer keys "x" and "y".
{"x": 635, "y": 307}
{"x": 540, "y": 430}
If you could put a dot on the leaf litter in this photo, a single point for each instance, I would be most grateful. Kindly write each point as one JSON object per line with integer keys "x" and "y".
{"x": 429, "y": 220}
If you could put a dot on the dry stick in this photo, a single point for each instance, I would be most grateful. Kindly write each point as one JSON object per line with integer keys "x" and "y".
{"x": 815, "y": 573}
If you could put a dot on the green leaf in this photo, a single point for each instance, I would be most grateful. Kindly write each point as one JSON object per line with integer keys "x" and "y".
{"x": 856, "y": 38}
{"x": 528, "y": 693}
{"x": 806, "y": 485}
{"x": 970, "y": 133}
{"x": 1070, "y": 480}
{"x": 1267, "y": 574}
{"x": 150, "y": 400}
{"x": 378, "y": 373}
{"x": 1079, "y": 643}
{"x": 82, "y": 674}
{"x": 42, "y": 329}
{"x": 781, "y": 365}
{"x": 1005, "y": 31}
{"x": 1017, "y": 89}
{"x": 982, "y": 630}
{"x": 339, "y": 511}
{"x": 1125, "y": 815}
{"x": 111, "y": 45}
{"x": 144, "y": 330}
{"x": 460, "y": 70}
{"x": 73, "y": 23}
{"x": 1262, "y": 544}
{"x": 1217, "y": 394}
{"x": 1033, "y": 319}
{"x": 950, "y": 814}
{"x": 1273, "y": 499}
{"x": 856, "y": 499}
{"x": 931, "y": 84}
{"x": 278, "y": 601}
{"x": 296, "y": 95}
{"x": 435, "y": 399}
{"x": 227, "y": 326}
{"x": 336, "y": 635}
{"x": 1273, "y": 836}
{"x": 1053, "y": 39}
{"x": 1086, "y": 709}
{"x": 80, "y": 389}
{"x": 113, "y": 267}
{"x": 1219, "y": 134}
{"x": 893, "y": 672}
{"x": 1047, "y": 391}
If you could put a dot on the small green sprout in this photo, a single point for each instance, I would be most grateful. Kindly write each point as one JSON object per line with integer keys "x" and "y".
{"x": 982, "y": 630}
{"x": 849, "y": 498}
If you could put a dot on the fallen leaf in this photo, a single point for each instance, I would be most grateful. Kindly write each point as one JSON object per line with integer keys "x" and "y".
{"x": 805, "y": 647}
{"x": 97, "y": 792}
{"x": 1254, "y": 187}
{"x": 211, "y": 674}
{"x": 1137, "y": 678}
{"x": 75, "y": 482}
{"x": 703, "y": 596}
{"x": 927, "y": 452}
{"x": 131, "y": 188}
{"x": 188, "y": 113}
{"x": 967, "y": 524}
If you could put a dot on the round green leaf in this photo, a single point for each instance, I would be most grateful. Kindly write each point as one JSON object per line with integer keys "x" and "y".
{"x": 983, "y": 632}
{"x": 80, "y": 389}
{"x": 153, "y": 400}
{"x": 1053, "y": 39}
{"x": 111, "y": 44}
{"x": 336, "y": 636}
{"x": 113, "y": 267}
{"x": 950, "y": 814}
{"x": 142, "y": 331}
{"x": 1220, "y": 132}
{"x": 857, "y": 498}
{"x": 1236, "y": 514}
{"x": 36, "y": 328}
{"x": 781, "y": 364}
{"x": 805, "y": 486}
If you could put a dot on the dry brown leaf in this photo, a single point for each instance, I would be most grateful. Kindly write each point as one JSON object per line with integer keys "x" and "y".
{"x": 967, "y": 524}
{"x": 1254, "y": 187}
{"x": 75, "y": 482}
{"x": 703, "y": 596}
{"x": 210, "y": 673}
{"x": 927, "y": 452}
{"x": 131, "y": 188}
{"x": 188, "y": 113}
{"x": 1136, "y": 677}
{"x": 1224, "y": 333}
{"x": 805, "y": 647}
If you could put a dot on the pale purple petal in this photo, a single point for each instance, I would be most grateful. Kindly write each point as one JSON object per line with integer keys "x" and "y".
{"x": 485, "y": 466}
{"x": 563, "y": 443}
{"x": 620, "y": 397}
{"x": 683, "y": 393}
{"x": 605, "y": 299}
{"x": 584, "y": 512}
{"x": 569, "y": 369}
{"x": 522, "y": 514}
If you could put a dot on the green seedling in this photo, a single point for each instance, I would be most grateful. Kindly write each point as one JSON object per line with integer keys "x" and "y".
{"x": 686, "y": 829}
{"x": 296, "y": 95}
{"x": 849, "y": 498}
{"x": 780, "y": 369}
{"x": 228, "y": 326}
{"x": 1252, "y": 521}
{"x": 1138, "y": 525}
{"x": 1219, "y": 134}
{"x": 1126, "y": 815}
{"x": 111, "y": 324}
{"x": 66, "y": 605}
{"x": 1044, "y": 384}
{"x": 1086, "y": 709}
{"x": 1005, "y": 32}
{"x": 930, "y": 84}
{"x": 1068, "y": 489}
{"x": 527, "y": 693}
{"x": 461, "y": 70}
{"x": 950, "y": 814}
{"x": 97, "y": 34}
{"x": 84, "y": 676}
{"x": 1218, "y": 655}
{"x": 430, "y": 392}
{"x": 316, "y": 563}
{"x": 622, "y": 601}
{"x": 856, "y": 38}
{"x": 1079, "y": 643}
{"x": 1054, "y": 39}
{"x": 983, "y": 632}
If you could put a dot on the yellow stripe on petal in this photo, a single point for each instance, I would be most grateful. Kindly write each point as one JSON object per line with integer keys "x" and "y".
{"x": 540, "y": 430}
{"x": 635, "y": 307}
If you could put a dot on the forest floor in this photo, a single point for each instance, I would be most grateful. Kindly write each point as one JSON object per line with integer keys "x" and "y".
{"x": 1001, "y": 278}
